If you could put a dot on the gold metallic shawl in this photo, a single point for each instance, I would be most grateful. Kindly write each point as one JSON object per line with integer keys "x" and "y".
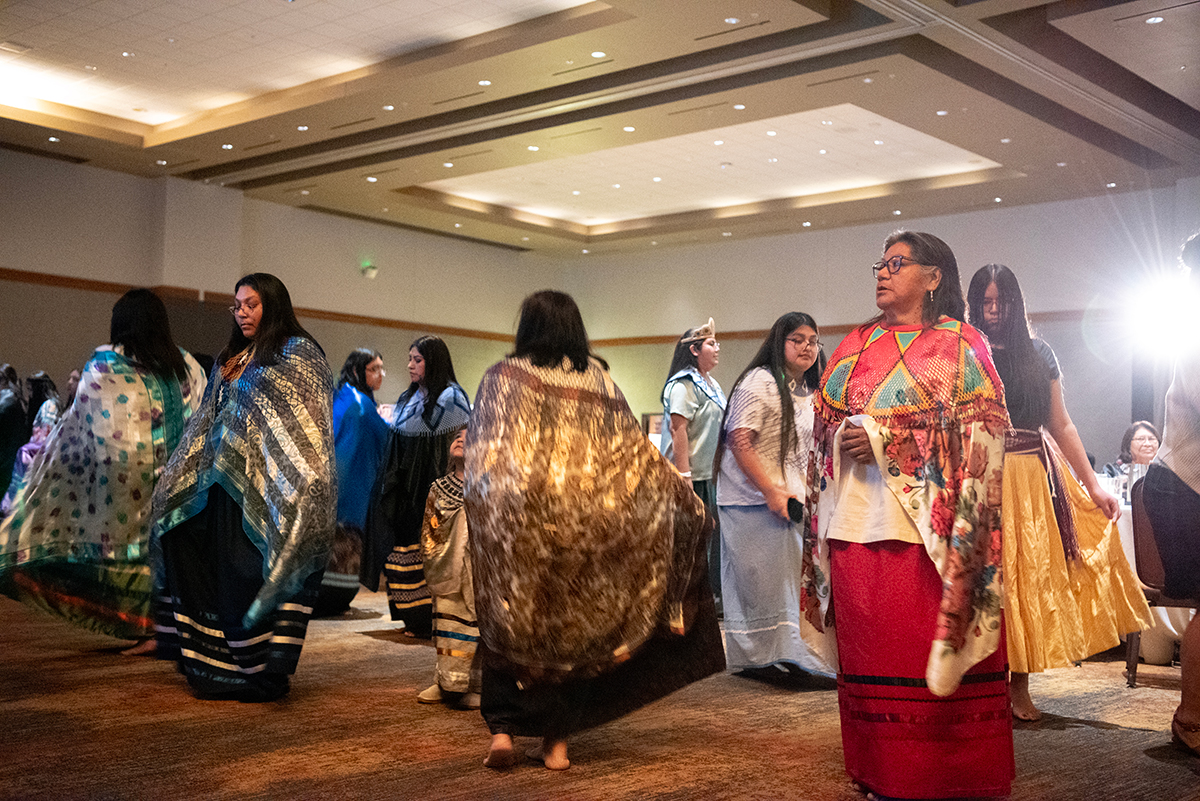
{"x": 267, "y": 438}
{"x": 584, "y": 540}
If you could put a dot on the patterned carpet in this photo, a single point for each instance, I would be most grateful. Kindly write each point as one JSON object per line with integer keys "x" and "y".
{"x": 80, "y": 721}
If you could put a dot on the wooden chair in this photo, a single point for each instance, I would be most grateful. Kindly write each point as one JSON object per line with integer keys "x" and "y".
{"x": 1149, "y": 569}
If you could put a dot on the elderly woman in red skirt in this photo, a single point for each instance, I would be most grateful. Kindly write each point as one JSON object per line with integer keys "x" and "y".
{"x": 903, "y": 537}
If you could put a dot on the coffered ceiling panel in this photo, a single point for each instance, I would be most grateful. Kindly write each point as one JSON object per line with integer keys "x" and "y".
{"x": 544, "y": 124}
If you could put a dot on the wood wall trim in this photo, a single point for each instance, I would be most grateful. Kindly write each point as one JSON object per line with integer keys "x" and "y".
{"x": 183, "y": 293}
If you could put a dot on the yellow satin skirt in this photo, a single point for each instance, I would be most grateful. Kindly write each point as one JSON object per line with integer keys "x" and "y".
{"x": 1058, "y": 611}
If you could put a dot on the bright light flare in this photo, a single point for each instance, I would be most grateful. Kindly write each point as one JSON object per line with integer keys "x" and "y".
{"x": 1163, "y": 313}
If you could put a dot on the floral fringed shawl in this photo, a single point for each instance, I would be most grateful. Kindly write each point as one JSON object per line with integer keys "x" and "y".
{"x": 933, "y": 406}
{"x": 267, "y": 438}
{"x": 585, "y": 541}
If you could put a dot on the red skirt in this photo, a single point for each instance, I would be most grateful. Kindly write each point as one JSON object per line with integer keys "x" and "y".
{"x": 900, "y": 739}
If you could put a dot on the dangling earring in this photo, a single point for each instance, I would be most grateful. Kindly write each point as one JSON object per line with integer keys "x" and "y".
{"x": 931, "y": 297}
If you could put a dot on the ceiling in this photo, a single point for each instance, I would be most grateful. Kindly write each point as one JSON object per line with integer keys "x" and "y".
{"x": 571, "y": 127}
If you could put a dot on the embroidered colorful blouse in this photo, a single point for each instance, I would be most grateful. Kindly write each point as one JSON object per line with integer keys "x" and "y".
{"x": 933, "y": 406}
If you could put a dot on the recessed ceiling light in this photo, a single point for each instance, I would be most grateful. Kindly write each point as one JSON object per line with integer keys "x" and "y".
{"x": 724, "y": 164}
{"x": 616, "y": 186}
{"x": 726, "y": 233}
{"x": 485, "y": 83}
{"x": 998, "y": 200}
{"x": 1062, "y": 163}
{"x": 524, "y": 239}
{"x": 879, "y": 141}
{"x": 170, "y": 41}
{"x": 301, "y": 127}
{"x": 822, "y": 151}
{"x": 653, "y": 241}
{"x": 55, "y": 139}
{"x": 1153, "y": 20}
{"x": 1111, "y": 185}
{"x": 770, "y": 133}
{"x": 447, "y": 163}
{"x": 942, "y": 113}
{"x": 629, "y": 129}
{"x": 772, "y": 160}
{"x": 128, "y": 53}
{"x": 575, "y": 192}
{"x": 827, "y": 122}
{"x": 1005, "y": 141}
{"x": 585, "y": 250}
{"x": 304, "y": 191}
{"x": 533, "y": 147}
{"x": 161, "y": 162}
{"x": 732, "y": 20}
{"x": 89, "y": 68}
{"x": 389, "y": 107}
{"x": 458, "y": 225}
{"x": 371, "y": 179}
{"x": 896, "y": 212}
{"x": 657, "y": 180}
{"x": 385, "y": 208}
{"x": 868, "y": 80}
{"x": 598, "y": 54}
{"x": 719, "y": 142}
{"x": 227, "y": 147}
{"x": 806, "y": 224}
{"x": 740, "y": 106}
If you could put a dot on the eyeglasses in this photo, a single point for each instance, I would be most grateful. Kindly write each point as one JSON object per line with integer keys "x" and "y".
{"x": 801, "y": 342}
{"x": 1145, "y": 438}
{"x": 244, "y": 308}
{"x": 379, "y": 370}
{"x": 893, "y": 265}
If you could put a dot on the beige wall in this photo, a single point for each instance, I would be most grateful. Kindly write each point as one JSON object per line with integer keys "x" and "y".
{"x": 71, "y": 220}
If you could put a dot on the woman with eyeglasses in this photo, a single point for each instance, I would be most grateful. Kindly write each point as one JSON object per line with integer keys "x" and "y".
{"x": 903, "y": 529}
{"x": 1139, "y": 445}
{"x": 1068, "y": 589}
{"x": 692, "y": 407}
{"x": 245, "y": 512}
{"x": 427, "y": 416}
{"x": 761, "y": 464}
{"x": 360, "y": 438}
{"x": 76, "y": 541}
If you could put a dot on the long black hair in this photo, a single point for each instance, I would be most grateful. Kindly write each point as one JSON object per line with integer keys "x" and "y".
{"x": 1023, "y": 370}
{"x": 277, "y": 325}
{"x": 550, "y": 330}
{"x": 931, "y": 251}
{"x": 141, "y": 327}
{"x": 41, "y": 389}
{"x": 684, "y": 356}
{"x": 771, "y": 357}
{"x": 354, "y": 371}
{"x": 439, "y": 374}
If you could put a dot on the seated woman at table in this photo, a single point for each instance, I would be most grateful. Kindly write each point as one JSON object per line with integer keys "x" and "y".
{"x": 1068, "y": 589}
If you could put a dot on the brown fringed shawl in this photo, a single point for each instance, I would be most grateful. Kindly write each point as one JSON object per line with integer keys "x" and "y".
{"x": 585, "y": 542}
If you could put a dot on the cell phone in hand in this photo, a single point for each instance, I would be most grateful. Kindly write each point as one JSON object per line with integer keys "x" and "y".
{"x": 795, "y": 511}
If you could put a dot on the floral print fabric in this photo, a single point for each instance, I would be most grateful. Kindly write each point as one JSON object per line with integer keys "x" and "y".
{"x": 933, "y": 406}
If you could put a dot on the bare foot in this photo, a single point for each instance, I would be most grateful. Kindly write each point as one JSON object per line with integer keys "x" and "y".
{"x": 551, "y": 753}
{"x": 1022, "y": 701}
{"x": 500, "y": 755}
{"x": 145, "y": 647}
{"x": 1185, "y": 735}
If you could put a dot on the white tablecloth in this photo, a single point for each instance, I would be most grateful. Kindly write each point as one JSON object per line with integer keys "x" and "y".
{"x": 1158, "y": 641}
